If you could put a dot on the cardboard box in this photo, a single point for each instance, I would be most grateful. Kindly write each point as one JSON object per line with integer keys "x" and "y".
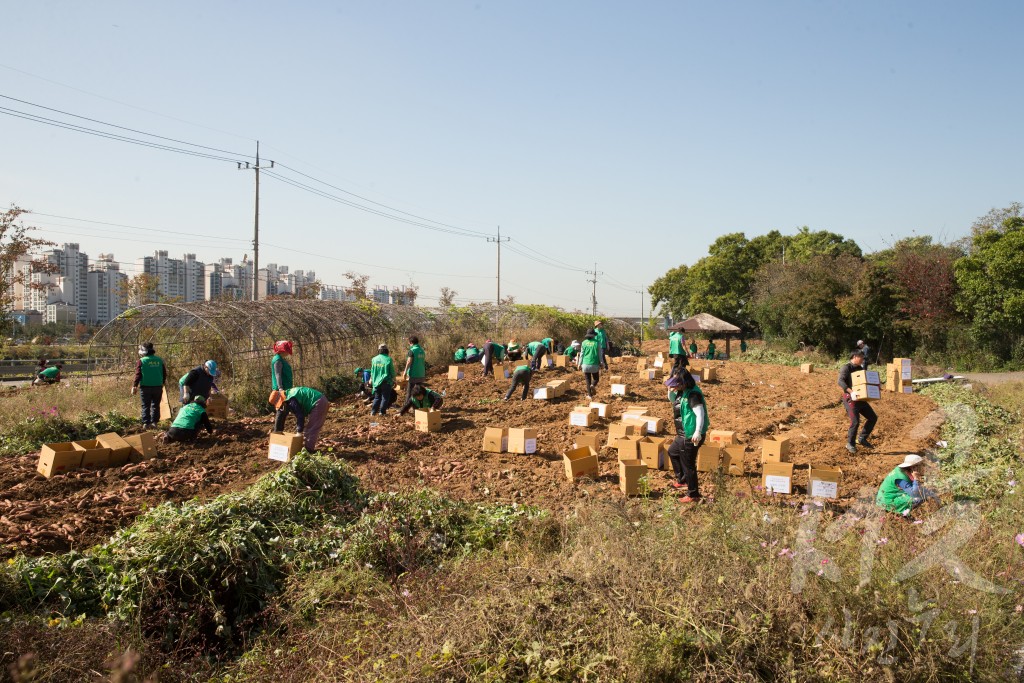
{"x": 561, "y": 361}
{"x": 592, "y": 440}
{"x": 709, "y": 458}
{"x": 522, "y": 440}
{"x": 732, "y": 460}
{"x": 617, "y": 430}
{"x": 94, "y": 456}
{"x": 601, "y": 408}
{"x": 709, "y": 375}
{"x": 58, "y": 458}
{"x": 654, "y": 424}
{"x": 865, "y": 377}
{"x": 907, "y": 389}
{"x": 560, "y": 386}
{"x": 582, "y": 417}
{"x": 807, "y": 368}
{"x": 120, "y": 450}
{"x": 455, "y": 372}
{"x": 659, "y": 362}
{"x": 635, "y": 411}
{"x": 775, "y": 450}
{"x": 428, "y": 420}
{"x": 824, "y": 482}
{"x": 777, "y": 477}
{"x": 580, "y": 462}
{"x": 143, "y": 446}
{"x": 615, "y": 379}
{"x": 505, "y": 371}
{"x": 721, "y": 437}
{"x": 892, "y": 379}
{"x": 866, "y": 392}
{"x": 217, "y": 406}
{"x": 618, "y": 390}
{"x": 544, "y": 393}
{"x": 628, "y": 447}
{"x": 641, "y": 364}
{"x": 652, "y": 373}
{"x": 698, "y": 377}
{"x": 630, "y": 473}
{"x": 166, "y": 413}
{"x": 283, "y": 447}
{"x": 904, "y": 366}
{"x": 654, "y": 453}
{"x": 549, "y": 360}
{"x": 495, "y": 440}
{"x": 639, "y": 424}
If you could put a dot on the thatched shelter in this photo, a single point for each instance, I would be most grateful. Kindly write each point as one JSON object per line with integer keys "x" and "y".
{"x": 705, "y": 322}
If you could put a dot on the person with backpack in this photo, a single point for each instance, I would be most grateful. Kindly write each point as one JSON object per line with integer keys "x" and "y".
{"x": 310, "y": 409}
{"x": 190, "y": 419}
{"x": 590, "y": 362}
{"x": 520, "y": 376}
{"x": 691, "y": 419}
{"x": 422, "y": 399}
{"x": 382, "y": 380}
{"x": 280, "y": 368}
{"x": 199, "y": 382}
{"x": 150, "y": 377}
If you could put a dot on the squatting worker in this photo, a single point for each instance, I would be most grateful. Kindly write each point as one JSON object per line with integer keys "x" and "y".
{"x": 310, "y": 409}
{"x": 382, "y": 380}
{"x": 535, "y": 351}
{"x": 50, "y": 375}
{"x": 856, "y": 409}
{"x": 602, "y": 342}
{"x": 460, "y": 355}
{"x": 416, "y": 364}
{"x": 514, "y": 350}
{"x": 691, "y": 421}
{"x": 199, "y": 382}
{"x": 572, "y": 350}
{"x": 472, "y": 353}
{"x": 675, "y": 349}
{"x": 590, "y": 362}
{"x": 901, "y": 490}
{"x": 280, "y": 368}
{"x": 521, "y": 375}
{"x": 422, "y": 399}
{"x": 189, "y": 420}
{"x": 493, "y": 351}
{"x": 150, "y": 376}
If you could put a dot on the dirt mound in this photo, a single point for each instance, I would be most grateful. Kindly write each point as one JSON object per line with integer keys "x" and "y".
{"x": 79, "y": 509}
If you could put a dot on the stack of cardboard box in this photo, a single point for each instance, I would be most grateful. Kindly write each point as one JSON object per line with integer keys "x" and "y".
{"x": 898, "y": 376}
{"x": 106, "y": 450}
{"x": 865, "y": 386}
{"x": 776, "y": 469}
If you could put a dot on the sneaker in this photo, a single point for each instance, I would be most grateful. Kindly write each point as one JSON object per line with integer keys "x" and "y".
{"x": 690, "y": 499}
{"x": 676, "y": 485}
{"x": 850, "y": 447}
{"x": 865, "y": 443}
{"x": 373, "y": 412}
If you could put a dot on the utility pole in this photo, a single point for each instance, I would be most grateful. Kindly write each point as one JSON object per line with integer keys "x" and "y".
{"x": 593, "y": 281}
{"x": 256, "y": 223}
{"x": 641, "y": 293}
{"x": 499, "y": 240}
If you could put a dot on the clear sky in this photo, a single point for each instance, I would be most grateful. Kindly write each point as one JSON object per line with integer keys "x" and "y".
{"x": 626, "y": 134}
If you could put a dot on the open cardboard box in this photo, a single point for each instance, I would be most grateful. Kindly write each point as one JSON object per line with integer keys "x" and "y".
{"x": 580, "y": 462}
{"x": 58, "y": 458}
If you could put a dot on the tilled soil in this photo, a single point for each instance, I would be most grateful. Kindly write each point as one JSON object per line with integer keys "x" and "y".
{"x": 82, "y": 508}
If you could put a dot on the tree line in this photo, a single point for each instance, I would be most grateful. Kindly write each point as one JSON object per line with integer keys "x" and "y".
{"x": 959, "y": 304}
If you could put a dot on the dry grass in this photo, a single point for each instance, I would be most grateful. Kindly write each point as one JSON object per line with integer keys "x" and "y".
{"x": 71, "y": 400}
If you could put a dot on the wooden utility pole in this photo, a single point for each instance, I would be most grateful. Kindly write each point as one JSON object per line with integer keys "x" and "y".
{"x": 256, "y": 224}
{"x": 499, "y": 241}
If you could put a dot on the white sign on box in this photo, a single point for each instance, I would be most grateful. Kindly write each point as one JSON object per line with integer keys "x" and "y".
{"x": 778, "y": 484}
{"x": 658, "y": 362}
{"x": 279, "y": 452}
{"x": 531, "y": 446}
{"x": 618, "y": 390}
{"x": 579, "y": 419}
{"x": 602, "y": 409}
{"x": 824, "y": 489}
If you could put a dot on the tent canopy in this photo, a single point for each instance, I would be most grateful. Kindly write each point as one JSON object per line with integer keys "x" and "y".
{"x": 705, "y": 322}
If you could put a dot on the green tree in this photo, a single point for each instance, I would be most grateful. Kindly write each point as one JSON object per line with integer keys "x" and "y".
{"x": 669, "y": 291}
{"x": 16, "y": 243}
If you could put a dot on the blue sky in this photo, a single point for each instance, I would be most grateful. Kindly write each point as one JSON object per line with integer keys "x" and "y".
{"x": 626, "y": 134}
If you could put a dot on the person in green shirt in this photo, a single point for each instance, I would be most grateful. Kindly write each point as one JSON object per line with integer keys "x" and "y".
{"x": 493, "y": 352}
{"x": 711, "y": 350}
{"x": 520, "y": 376}
{"x": 190, "y": 419}
{"x": 513, "y": 349}
{"x": 675, "y": 349}
{"x": 602, "y": 342}
{"x": 415, "y": 364}
{"x": 382, "y": 380}
{"x": 50, "y": 375}
{"x": 460, "y": 355}
{"x": 310, "y": 409}
{"x": 280, "y": 368}
{"x": 693, "y": 348}
{"x": 901, "y": 490}
{"x": 535, "y": 352}
{"x": 572, "y": 350}
{"x": 743, "y": 345}
{"x": 590, "y": 361}
{"x": 692, "y": 423}
{"x": 150, "y": 377}
{"x": 422, "y": 399}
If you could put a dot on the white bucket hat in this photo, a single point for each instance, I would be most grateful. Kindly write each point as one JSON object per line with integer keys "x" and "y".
{"x": 911, "y": 460}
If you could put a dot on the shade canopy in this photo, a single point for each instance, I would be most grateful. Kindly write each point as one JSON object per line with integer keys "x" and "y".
{"x": 705, "y": 322}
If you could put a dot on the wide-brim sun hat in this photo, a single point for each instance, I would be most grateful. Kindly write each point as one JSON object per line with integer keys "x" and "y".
{"x": 911, "y": 460}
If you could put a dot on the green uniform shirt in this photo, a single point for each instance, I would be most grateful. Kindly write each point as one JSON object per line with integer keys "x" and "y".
{"x": 743, "y": 346}
{"x": 382, "y": 369}
{"x": 549, "y": 343}
{"x": 50, "y": 373}
{"x": 460, "y": 354}
{"x": 711, "y": 350}
{"x": 602, "y": 338}
{"x": 513, "y": 346}
{"x": 890, "y": 496}
{"x": 689, "y": 417}
{"x": 675, "y": 343}
{"x": 189, "y": 416}
{"x": 521, "y": 367}
{"x": 693, "y": 348}
{"x": 306, "y": 397}
{"x": 497, "y": 351}
{"x": 533, "y": 347}
{"x": 418, "y": 368}
{"x": 426, "y": 402}
{"x": 570, "y": 351}
{"x": 589, "y": 352}
{"x": 152, "y": 371}
{"x": 286, "y": 373}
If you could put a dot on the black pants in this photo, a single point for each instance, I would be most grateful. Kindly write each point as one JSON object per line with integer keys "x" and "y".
{"x": 514, "y": 355}
{"x": 535, "y": 361}
{"x": 854, "y": 411}
{"x": 180, "y": 434}
{"x": 520, "y": 377}
{"x": 592, "y": 378}
{"x": 151, "y": 404}
{"x": 683, "y": 454}
{"x": 412, "y": 383}
{"x": 488, "y": 360}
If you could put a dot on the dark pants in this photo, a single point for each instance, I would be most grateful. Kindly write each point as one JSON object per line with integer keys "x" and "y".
{"x": 592, "y": 379}
{"x": 413, "y": 381}
{"x": 381, "y": 399}
{"x": 179, "y": 434}
{"x": 854, "y": 411}
{"x": 514, "y": 355}
{"x": 151, "y": 404}
{"x": 519, "y": 377}
{"x": 536, "y": 360}
{"x": 683, "y": 454}
{"x": 679, "y": 361}
{"x": 488, "y": 360}
{"x": 602, "y": 360}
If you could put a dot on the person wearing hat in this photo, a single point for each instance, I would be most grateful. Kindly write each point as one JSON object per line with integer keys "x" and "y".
{"x": 310, "y": 409}
{"x": 866, "y": 350}
{"x": 472, "y": 353}
{"x": 856, "y": 409}
{"x": 382, "y": 380}
{"x": 901, "y": 490}
{"x": 50, "y": 375}
{"x": 150, "y": 377}
{"x": 416, "y": 364}
{"x": 535, "y": 351}
{"x": 189, "y": 420}
{"x": 602, "y": 342}
{"x": 675, "y": 348}
{"x": 199, "y": 382}
{"x": 280, "y": 368}
{"x": 460, "y": 355}
{"x": 572, "y": 350}
{"x": 521, "y": 375}
{"x": 493, "y": 351}
{"x": 690, "y": 415}
{"x": 422, "y": 399}
{"x": 590, "y": 361}
{"x": 513, "y": 350}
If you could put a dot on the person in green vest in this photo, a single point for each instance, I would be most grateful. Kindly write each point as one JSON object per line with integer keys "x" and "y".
{"x": 460, "y": 355}
{"x": 549, "y": 344}
{"x": 422, "y": 399}
{"x": 310, "y": 409}
{"x": 493, "y": 352}
{"x": 520, "y": 376}
{"x": 50, "y": 375}
{"x": 743, "y": 345}
{"x": 590, "y": 361}
{"x": 675, "y": 349}
{"x": 693, "y": 348}
{"x": 416, "y": 364}
{"x": 513, "y": 349}
{"x": 535, "y": 352}
{"x": 572, "y": 350}
{"x": 150, "y": 377}
{"x": 711, "y": 350}
{"x": 472, "y": 353}
{"x": 280, "y": 368}
{"x": 901, "y": 490}
{"x": 382, "y": 380}
{"x": 602, "y": 342}
{"x": 190, "y": 419}
{"x": 691, "y": 419}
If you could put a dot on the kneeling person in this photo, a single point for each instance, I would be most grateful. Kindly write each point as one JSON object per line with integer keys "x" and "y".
{"x": 310, "y": 409}
{"x": 189, "y": 420}
{"x": 422, "y": 399}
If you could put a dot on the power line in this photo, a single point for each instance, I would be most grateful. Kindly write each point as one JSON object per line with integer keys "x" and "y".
{"x": 561, "y": 264}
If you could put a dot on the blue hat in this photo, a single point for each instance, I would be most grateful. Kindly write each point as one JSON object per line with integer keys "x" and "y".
{"x": 211, "y": 367}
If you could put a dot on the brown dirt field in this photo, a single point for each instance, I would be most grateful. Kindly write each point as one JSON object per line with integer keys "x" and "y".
{"x": 79, "y": 509}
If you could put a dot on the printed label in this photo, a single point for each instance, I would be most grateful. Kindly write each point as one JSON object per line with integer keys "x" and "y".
{"x": 777, "y": 484}
{"x": 824, "y": 489}
{"x": 279, "y": 452}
